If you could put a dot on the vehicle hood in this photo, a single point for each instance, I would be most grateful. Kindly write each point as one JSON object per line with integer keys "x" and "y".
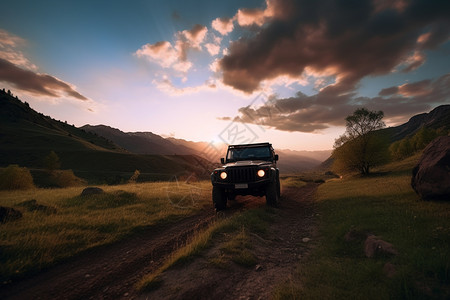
{"x": 244, "y": 163}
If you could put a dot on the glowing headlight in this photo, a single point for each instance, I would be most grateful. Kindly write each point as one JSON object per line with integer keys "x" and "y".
{"x": 261, "y": 173}
{"x": 223, "y": 175}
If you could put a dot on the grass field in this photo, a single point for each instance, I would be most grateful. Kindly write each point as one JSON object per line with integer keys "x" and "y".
{"x": 384, "y": 205}
{"x": 41, "y": 238}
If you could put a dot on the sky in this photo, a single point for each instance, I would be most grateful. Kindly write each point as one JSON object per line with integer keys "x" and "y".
{"x": 283, "y": 71}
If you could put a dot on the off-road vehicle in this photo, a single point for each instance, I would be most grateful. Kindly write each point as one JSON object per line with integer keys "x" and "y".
{"x": 249, "y": 169}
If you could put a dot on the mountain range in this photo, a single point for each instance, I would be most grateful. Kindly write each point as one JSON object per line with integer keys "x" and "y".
{"x": 27, "y": 137}
{"x": 104, "y": 153}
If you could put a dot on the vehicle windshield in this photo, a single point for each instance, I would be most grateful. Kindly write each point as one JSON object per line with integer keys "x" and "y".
{"x": 251, "y": 153}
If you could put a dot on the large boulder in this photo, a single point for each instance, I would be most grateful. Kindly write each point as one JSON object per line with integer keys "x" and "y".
{"x": 431, "y": 177}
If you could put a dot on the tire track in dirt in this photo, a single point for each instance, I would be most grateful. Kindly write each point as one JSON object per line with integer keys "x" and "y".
{"x": 109, "y": 272}
{"x": 279, "y": 255}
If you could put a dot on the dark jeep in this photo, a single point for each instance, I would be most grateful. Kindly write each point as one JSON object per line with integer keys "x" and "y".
{"x": 249, "y": 169}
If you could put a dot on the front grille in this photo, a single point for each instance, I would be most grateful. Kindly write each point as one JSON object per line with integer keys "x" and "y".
{"x": 241, "y": 174}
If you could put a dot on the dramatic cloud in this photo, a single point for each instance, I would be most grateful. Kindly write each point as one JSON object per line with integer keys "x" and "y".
{"x": 175, "y": 56}
{"x": 38, "y": 84}
{"x": 10, "y": 50}
{"x": 355, "y": 39}
{"x": 317, "y": 112}
{"x": 223, "y": 25}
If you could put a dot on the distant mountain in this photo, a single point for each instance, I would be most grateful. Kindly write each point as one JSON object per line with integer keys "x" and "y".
{"x": 299, "y": 161}
{"x": 150, "y": 143}
{"x": 290, "y": 161}
{"x": 27, "y": 137}
{"x": 435, "y": 119}
{"x": 140, "y": 142}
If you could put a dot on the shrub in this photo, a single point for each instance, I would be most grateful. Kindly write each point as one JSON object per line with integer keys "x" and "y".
{"x": 66, "y": 178}
{"x": 14, "y": 177}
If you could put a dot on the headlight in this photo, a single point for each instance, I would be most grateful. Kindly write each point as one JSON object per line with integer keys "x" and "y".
{"x": 223, "y": 175}
{"x": 261, "y": 173}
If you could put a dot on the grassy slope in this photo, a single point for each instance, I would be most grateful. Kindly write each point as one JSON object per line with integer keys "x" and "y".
{"x": 27, "y": 137}
{"x": 384, "y": 205}
{"x": 39, "y": 239}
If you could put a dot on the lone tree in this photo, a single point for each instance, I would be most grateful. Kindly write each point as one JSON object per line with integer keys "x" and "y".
{"x": 360, "y": 147}
{"x": 51, "y": 162}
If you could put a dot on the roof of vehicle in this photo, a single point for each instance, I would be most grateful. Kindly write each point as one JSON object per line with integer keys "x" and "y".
{"x": 250, "y": 145}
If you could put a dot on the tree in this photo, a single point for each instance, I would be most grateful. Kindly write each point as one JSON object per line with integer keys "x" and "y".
{"x": 51, "y": 161}
{"x": 360, "y": 147}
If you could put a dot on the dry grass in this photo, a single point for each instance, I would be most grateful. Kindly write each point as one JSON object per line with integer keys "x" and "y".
{"x": 39, "y": 239}
{"x": 383, "y": 204}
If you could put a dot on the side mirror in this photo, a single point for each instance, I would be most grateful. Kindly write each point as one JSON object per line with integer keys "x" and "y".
{"x": 222, "y": 160}
{"x": 275, "y": 158}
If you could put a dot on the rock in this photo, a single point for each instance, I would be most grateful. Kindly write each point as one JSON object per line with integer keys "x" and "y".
{"x": 355, "y": 235}
{"x": 305, "y": 240}
{"x": 374, "y": 246}
{"x": 258, "y": 268}
{"x": 32, "y": 205}
{"x": 389, "y": 269}
{"x": 92, "y": 191}
{"x": 431, "y": 177}
{"x": 9, "y": 214}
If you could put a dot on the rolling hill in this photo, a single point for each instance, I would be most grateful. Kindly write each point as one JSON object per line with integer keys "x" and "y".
{"x": 150, "y": 143}
{"x": 27, "y": 136}
{"x": 139, "y": 142}
{"x": 437, "y": 119}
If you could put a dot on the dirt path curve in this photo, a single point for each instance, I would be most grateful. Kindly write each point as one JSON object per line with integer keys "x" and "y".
{"x": 288, "y": 243}
{"x": 110, "y": 272}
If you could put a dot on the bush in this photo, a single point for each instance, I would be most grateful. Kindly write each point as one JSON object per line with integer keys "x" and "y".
{"x": 65, "y": 178}
{"x": 14, "y": 177}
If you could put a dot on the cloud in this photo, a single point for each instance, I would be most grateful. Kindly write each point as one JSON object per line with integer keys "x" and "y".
{"x": 317, "y": 112}
{"x": 167, "y": 86}
{"x": 255, "y": 16}
{"x": 21, "y": 73}
{"x": 10, "y": 50}
{"x": 175, "y": 56}
{"x": 357, "y": 40}
{"x": 213, "y": 49}
{"x": 161, "y": 52}
{"x": 223, "y": 25}
{"x": 194, "y": 37}
{"x": 35, "y": 83}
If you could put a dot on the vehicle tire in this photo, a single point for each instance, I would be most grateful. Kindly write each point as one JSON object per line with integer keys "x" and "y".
{"x": 272, "y": 194}
{"x": 219, "y": 198}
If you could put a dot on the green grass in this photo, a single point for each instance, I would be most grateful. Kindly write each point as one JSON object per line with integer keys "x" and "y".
{"x": 385, "y": 205}
{"x": 40, "y": 239}
{"x": 235, "y": 247}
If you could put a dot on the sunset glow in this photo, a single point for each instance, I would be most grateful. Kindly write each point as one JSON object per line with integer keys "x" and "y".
{"x": 282, "y": 71}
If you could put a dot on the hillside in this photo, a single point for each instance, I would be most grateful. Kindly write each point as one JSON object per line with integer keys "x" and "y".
{"x": 139, "y": 142}
{"x": 150, "y": 143}
{"x": 27, "y": 136}
{"x": 437, "y": 119}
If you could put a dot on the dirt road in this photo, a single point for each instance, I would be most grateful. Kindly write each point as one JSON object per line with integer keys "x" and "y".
{"x": 289, "y": 242}
{"x": 111, "y": 272}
